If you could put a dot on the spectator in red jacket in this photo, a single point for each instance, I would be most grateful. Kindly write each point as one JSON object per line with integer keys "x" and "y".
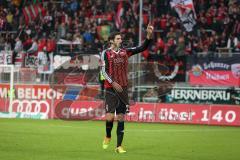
{"x": 50, "y": 47}
{"x": 160, "y": 45}
{"x": 42, "y": 43}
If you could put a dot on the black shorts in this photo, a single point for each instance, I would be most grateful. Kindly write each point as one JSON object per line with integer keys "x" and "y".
{"x": 115, "y": 101}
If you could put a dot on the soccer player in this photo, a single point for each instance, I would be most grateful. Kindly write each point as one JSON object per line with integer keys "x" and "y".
{"x": 114, "y": 68}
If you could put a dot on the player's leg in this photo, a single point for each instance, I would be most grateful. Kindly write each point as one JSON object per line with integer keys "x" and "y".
{"x": 121, "y": 110}
{"x": 109, "y": 126}
{"x": 110, "y": 106}
{"x": 120, "y": 129}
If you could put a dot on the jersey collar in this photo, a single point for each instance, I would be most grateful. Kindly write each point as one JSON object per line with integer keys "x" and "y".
{"x": 117, "y": 52}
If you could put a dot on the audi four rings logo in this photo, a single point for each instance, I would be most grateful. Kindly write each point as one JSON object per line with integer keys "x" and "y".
{"x": 31, "y": 106}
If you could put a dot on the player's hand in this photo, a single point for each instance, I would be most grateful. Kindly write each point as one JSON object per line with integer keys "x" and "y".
{"x": 117, "y": 87}
{"x": 150, "y": 29}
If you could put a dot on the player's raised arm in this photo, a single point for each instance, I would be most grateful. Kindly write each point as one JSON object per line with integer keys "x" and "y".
{"x": 134, "y": 50}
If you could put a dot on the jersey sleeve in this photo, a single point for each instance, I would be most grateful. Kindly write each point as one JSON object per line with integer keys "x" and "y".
{"x": 105, "y": 66}
{"x": 134, "y": 50}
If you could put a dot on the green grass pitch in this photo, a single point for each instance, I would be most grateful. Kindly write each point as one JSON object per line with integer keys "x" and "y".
{"x": 25, "y": 139}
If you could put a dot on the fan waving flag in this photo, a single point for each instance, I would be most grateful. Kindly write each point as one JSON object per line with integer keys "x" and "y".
{"x": 120, "y": 11}
{"x": 186, "y": 12}
{"x": 32, "y": 12}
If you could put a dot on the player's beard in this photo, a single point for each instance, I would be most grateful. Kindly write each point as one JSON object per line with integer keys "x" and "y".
{"x": 117, "y": 46}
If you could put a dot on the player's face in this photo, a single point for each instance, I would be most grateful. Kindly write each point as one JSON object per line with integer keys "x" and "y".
{"x": 117, "y": 41}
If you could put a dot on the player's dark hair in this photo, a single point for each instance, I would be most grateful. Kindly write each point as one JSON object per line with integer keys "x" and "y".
{"x": 113, "y": 35}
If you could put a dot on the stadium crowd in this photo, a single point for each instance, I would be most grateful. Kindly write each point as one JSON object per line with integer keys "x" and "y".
{"x": 78, "y": 21}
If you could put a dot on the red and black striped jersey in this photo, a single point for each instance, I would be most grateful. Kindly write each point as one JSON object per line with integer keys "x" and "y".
{"x": 115, "y": 63}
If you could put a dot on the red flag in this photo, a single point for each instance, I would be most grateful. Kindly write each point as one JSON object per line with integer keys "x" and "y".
{"x": 186, "y": 12}
{"x": 119, "y": 14}
{"x": 32, "y": 12}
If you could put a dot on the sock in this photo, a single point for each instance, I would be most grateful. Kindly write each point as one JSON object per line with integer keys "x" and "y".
{"x": 109, "y": 126}
{"x": 120, "y": 133}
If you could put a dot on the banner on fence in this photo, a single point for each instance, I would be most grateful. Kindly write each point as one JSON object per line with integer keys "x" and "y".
{"x": 43, "y": 103}
{"x": 202, "y": 95}
{"x": 215, "y": 71}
